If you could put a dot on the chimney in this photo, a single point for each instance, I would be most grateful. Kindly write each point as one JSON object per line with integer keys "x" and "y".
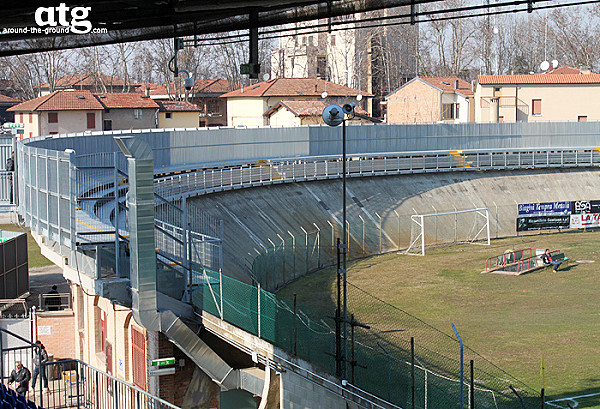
{"x": 455, "y": 84}
{"x": 147, "y": 92}
{"x": 584, "y": 69}
{"x": 316, "y": 88}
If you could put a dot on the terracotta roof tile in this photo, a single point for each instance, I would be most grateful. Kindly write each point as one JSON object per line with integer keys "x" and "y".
{"x": 539, "y": 79}
{"x": 210, "y": 86}
{"x": 564, "y": 70}
{"x": 448, "y": 84}
{"x": 86, "y": 79}
{"x": 6, "y": 98}
{"x": 61, "y": 101}
{"x": 306, "y": 108}
{"x": 294, "y": 87}
{"x": 123, "y": 100}
{"x": 142, "y": 86}
{"x": 177, "y": 106}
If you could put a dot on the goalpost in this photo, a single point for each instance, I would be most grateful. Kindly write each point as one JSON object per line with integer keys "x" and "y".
{"x": 461, "y": 226}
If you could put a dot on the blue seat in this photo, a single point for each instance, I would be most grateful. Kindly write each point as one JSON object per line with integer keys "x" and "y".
{"x": 11, "y": 400}
{"x": 7, "y": 405}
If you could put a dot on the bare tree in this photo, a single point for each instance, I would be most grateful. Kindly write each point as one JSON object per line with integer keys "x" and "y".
{"x": 448, "y": 44}
{"x": 575, "y": 37}
{"x": 30, "y": 70}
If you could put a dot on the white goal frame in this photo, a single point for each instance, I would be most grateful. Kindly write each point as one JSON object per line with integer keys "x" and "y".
{"x": 419, "y": 220}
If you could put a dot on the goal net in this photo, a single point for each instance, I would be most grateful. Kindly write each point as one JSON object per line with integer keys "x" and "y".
{"x": 461, "y": 226}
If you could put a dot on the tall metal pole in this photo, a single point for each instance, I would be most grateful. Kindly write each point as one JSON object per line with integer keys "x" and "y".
{"x": 412, "y": 371}
{"x": 345, "y": 247}
{"x": 472, "y": 387}
{"x": 461, "y": 367}
{"x": 338, "y": 337}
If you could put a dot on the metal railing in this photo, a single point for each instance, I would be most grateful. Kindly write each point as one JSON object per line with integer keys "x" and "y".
{"x": 519, "y": 261}
{"x": 389, "y": 163}
{"x": 67, "y": 383}
{"x": 55, "y": 302}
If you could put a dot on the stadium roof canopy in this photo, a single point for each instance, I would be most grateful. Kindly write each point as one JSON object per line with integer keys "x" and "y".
{"x": 135, "y": 20}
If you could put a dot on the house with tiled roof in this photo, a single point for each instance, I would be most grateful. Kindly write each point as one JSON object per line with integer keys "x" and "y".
{"x": 297, "y": 113}
{"x": 177, "y": 114}
{"x": 430, "y": 100}
{"x": 128, "y": 111}
{"x": 90, "y": 81}
{"x": 248, "y": 105}
{"x": 5, "y": 103}
{"x": 212, "y": 110}
{"x": 59, "y": 112}
{"x": 70, "y": 111}
{"x": 544, "y": 97}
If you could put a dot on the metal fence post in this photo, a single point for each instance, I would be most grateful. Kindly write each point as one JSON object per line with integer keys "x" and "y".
{"x": 363, "y": 234}
{"x": 472, "y": 387}
{"x": 1, "y": 358}
{"x": 295, "y": 333}
{"x": 398, "y": 216}
{"x": 116, "y": 222}
{"x": 221, "y": 293}
{"x": 305, "y": 245}
{"x": 380, "y": 230}
{"x": 258, "y": 310}
{"x": 293, "y": 252}
{"x": 77, "y": 384}
{"x": 332, "y": 241}
{"x": 412, "y": 370}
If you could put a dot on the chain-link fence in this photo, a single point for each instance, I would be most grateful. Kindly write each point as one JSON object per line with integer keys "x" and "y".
{"x": 385, "y": 363}
{"x": 286, "y": 258}
{"x": 436, "y": 355}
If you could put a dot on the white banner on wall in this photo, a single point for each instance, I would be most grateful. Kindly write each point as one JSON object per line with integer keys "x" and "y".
{"x": 580, "y": 221}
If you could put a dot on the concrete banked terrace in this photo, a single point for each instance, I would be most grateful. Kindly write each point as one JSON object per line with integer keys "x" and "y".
{"x": 266, "y": 183}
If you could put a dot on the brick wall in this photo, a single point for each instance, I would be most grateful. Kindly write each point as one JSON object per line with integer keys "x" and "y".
{"x": 415, "y": 103}
{"x": 173, "y": 387}
{"x": 56, "y": 330}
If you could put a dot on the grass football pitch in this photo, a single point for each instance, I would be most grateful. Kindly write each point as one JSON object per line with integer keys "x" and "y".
{"x": 511, "y": 320}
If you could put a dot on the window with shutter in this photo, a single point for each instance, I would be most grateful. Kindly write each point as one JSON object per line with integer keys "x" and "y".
{"x": 91, "y": 120}
{"x": 536, "y": 107}
{"x": 138, "y": 358}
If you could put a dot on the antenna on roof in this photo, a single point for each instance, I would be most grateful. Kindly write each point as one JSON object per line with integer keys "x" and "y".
{"x": 554, "y": 63}
{"x": 544, "y": 65}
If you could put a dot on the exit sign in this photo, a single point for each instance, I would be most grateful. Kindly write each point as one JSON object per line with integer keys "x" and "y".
{"x": 163, "y": 362}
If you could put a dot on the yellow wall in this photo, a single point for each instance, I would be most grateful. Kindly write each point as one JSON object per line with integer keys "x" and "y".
{"x": 283, "y": 117}
{"x": 560, "y": 102}
{"x": 246, "y": 111}
{"x": 69, "y": 121}
{"x": 249, "y": 111}
{"x": 178, "y": 120}
{"x": 29, "y": 129}
{"x": 119, "y": 323}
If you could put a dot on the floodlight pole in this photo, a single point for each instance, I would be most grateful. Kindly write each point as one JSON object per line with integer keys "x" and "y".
{"x": 345, "y": 247}
{"x": 333, "y": 115}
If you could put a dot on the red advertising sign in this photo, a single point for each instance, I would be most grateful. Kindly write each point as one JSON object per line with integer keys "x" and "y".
{"x": 580, "y": 221}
